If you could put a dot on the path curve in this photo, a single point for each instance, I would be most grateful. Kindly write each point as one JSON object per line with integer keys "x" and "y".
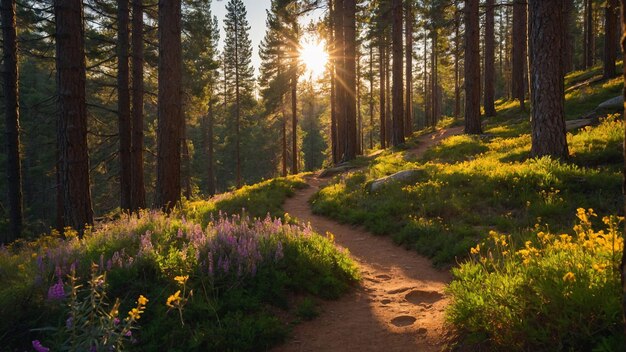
{"x": 399, "y": 304}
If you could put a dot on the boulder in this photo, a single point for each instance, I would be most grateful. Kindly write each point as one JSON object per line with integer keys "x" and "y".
{"x": 616, "y": 104}
{"x": 402, "y": 176}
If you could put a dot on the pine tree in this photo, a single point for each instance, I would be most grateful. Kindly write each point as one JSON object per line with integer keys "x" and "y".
{"x": 472, "y": 69}
{"x": 123, "y": 104}
{"x": 170, "y": 113}
{"x": 200, "y": 50}
{"x": 72, "y": 126}
{"x": 547, "y": 122}
{"x": 138, "y": 192}
{"x": 238, "y": 73}
{"x": 397, "y": 100}
{"x": 10, "y": 76}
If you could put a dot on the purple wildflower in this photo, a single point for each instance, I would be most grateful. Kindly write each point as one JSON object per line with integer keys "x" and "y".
{"x": 69, "y": 322}
{"x": 39, "y": 347}
{"x": 56, "y": 291}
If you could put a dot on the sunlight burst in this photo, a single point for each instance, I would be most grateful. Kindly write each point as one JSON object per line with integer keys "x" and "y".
{"x": 314, "y": 56}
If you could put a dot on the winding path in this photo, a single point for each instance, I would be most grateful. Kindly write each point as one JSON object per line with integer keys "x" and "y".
{"x": 399, "y": 304}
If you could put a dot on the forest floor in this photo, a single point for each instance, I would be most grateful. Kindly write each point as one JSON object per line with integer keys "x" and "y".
{"x": 399, "y": 304}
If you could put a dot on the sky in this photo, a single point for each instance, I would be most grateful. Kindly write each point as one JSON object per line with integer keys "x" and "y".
{"x": 257, "y": 15}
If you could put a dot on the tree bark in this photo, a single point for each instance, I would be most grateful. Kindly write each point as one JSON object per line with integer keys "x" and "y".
{"x": 169, "y": 105}
{"x": 408, "y": 90}
{"x": 333, "y": 83}
{"x": 72, "y": 124}
{"x": 397, "y": 94}
{"x": 519, "y": 51}
{"x": 10, "y": 76}
{"x": 457, "y": 52}
{"x": 589, "y": 47}
{"x": 435, "y": 111}
{"x": 138, "y": 196}
{"x": 569, "y": 25}
{"x": 350, "y": 79}
{"x": 611, "y": 12}
{"x": 123, "y": 104}
{"x": 489, "y": 69}
{"x": 371, "y": 98}
{"x": 472, "y": 68}
{"x": 382, "y": 91}
{"x": 210, "y": 147}
{"x": 294, "y": 115}
{"x": 340, "y": 72}
{"x": 623, "y": 262}
{"x": 547, "y": 121}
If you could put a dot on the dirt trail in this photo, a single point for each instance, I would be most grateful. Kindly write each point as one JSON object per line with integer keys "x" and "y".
{"x": 399, "y": 304}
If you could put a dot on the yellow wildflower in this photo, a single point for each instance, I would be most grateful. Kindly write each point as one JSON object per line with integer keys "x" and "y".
{"x": 475, "y": 250}
{"x": 181, "y": 279}
{"x": 569, "y": 277}
{"x": 173, "y": 300}
{"x": 142, "y": 301}
{"x": 134, "y": 314}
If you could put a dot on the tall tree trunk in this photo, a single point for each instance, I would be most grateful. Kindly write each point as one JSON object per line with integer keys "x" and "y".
{"x": 568, "y": 45}
{"x": 382, "y": 91}
{"x": 185, "y": 164}
{"x": 340, "y": 72}
{"x": 548, "y": 123}
{"x": 434, "y": 79}
{"x": 457, "y": 52}
{"x": 138, "y": 196}
{"x": 472, "y": 68}
{"x": 408, "y": 91}
{"x": 350, "y": 78}
{"x": 623, "y": 263}
{"x": 589, "y": 34}
{"x": 237, "y": 110}
{"x": 10, "y": 76}
{"x": 72, "y": 126}
{"x": 519, "y": 51}
{"x": 294, "y": 115}
{"x": 210, "y": 146}
{"x": 359, "y": 123}
{"x": 388, "y": 123}
{"x": 170, "y": 113}
{"x": 123, "y": 104}
{"x": 611, "y": 12}
{"x": 489, "y": 69}
{"x": 371, "y": 100}
{"x": 397, "y": 94}
{"x": 426, "y": 84}
{"x": 333, "y": 83}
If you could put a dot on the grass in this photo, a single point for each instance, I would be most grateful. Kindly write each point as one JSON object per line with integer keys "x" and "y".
{"x": 213, "y": 282}
{"x": 256, "y": 200}
{"x": 470, "y": 185}
{"x": 556, "y": 293}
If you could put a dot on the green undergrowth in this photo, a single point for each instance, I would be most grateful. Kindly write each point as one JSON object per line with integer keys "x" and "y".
{"x": 555, "y": 292}
{"x": 256, "y": 200}
{"x": 586, "y": 91}
{"x": 198, "y": 279}
{"x": 469, "y": 185}
{"x": 227, "y": 286}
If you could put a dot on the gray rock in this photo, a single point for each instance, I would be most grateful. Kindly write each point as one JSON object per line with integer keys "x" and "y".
{"x": 402, "y": 176}
{"x": 616, "y": 103}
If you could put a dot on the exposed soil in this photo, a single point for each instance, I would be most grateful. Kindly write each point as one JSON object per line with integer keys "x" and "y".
{"x": 399, "y": 304}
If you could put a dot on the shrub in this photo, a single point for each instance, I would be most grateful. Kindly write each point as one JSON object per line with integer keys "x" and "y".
{"x": 558, "y": 292}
